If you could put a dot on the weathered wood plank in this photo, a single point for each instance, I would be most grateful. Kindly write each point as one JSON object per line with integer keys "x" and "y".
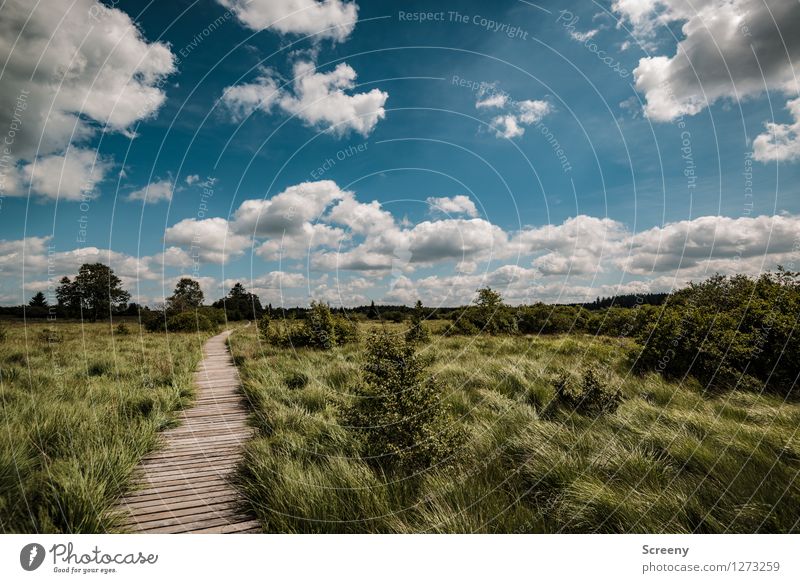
{"x": 186, "y": 486}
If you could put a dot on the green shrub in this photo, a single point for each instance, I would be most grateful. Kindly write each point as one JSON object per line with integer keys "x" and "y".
{"x": 190, "y": 322}
{"x": 417, "y": 331}
{"x": 591, "y": 397}
{"x": 461, "y": 326}
{"x": 122, "y": 329}
{"x": 729, "y": 332}
{"x": 399, "y": 412}
{"x": 345, "y": 330}
{"x": 320, "y": 326}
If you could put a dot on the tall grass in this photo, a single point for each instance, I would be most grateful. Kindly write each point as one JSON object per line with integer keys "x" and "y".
{"x": 669, "y": 459}
{"x": 80, "y": 404}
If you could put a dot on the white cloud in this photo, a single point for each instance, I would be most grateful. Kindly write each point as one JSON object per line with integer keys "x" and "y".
{"x": 709, "y": 244}
{"x": 212, "y": 240}
{"x": 781, "y": 141}
{"x": 245, "y": 99}
{"x": 192, "y": 178}
{"x": 75, "y": 66}
{"x": 507, "y": 126}
{"x": 455, "y": 205}
{"x": 513, "y": 115}
{"x": 334, "y": 19}
{"x": 577, "y": 246}
{"x": 69, "y": 176}
{"x": 319, "y": 99}
{"x": 583, "y": 36}
{"x": 158, "y": 191}
{"x": 288, "y": 211}
{"x": 731, "y": 49}
{"x": 492, "y": 101}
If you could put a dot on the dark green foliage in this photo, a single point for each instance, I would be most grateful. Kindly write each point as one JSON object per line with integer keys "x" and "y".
{"x": 462, "y": 326}
{"x": 3, "y": 334}
{"x": 122, "y": 329}
{"x": 399, "y": 412}
{"x": 38, "y": 301}
{"x": 345, "y": 329}
{"x": 187, "y": 296}
{"x": 320, "y": 326}
{"x": 95, "y": 293}
{"x": 320, "y": 329}
{"x": 417, "y": 330}
{"x": 729, "y": 332}
{"x": 239, "y": 304}
{"x": 190, "y": 322}
{"x": 591, "y": 396}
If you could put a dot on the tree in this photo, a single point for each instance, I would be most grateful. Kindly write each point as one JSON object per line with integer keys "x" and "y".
{"x": 417, "y": 331}
{"x": 492, "y": 315}
{"x": 38, "y": 301}
{"x": 69, "y": 301}
{"x": 399, "y": 414}
{"x": 372, "y": 312}
{"x": 187, "y": 296}
{"x": 239, "y": 304}
{"x": 96, "y": 292}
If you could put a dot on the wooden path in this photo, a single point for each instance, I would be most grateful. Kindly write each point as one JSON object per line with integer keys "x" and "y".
{"x": 185, "y": 486}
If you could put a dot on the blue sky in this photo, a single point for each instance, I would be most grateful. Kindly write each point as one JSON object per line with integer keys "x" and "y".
{"x": 386, "y": 151}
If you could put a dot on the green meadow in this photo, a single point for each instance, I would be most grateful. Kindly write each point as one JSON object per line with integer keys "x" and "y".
{"x": 671, "y": 458}
{"x": 80, "y": 404}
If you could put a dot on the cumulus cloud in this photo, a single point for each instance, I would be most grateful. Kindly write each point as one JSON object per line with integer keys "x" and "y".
{"x": 211, "y": 240}
{"x": 781, "y": 141}
{"x": 158, "y": 191}
{"x": 245, "y": 99}
{"x": 454, "y": 205}
{"x": 71, "y": 68}
{"x": 709, "y": 244}
{"x": 731, "y": 49}
{"x": 577, "y": 246}
{"x": 333, "y": 19}
{"x": 69, "y": 176}
{"x": 289, "y": 210}
{"x": 511, "y": 115}
{"x": 321, "y": 100}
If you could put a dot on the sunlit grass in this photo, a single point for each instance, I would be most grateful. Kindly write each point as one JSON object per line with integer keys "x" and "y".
{"x": 670, "y": 459}
{"x": 78, "y": 410}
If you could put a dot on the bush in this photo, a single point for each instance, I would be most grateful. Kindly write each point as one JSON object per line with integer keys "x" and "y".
{"x": 321, "y": 326}
{"x": 122, "y": 329}
{"x": 346, "y": 331}
{"x": 729, "y": 332}
{"x": 417, "y": 331}
{"x": 461, "y": 326}
{"x": 399, "y": 413}
{"x": 320, "y": 329}
{"x": 190, "y": 322}
{"x": 590, "y": 397}
{"x": 50, "y": 336}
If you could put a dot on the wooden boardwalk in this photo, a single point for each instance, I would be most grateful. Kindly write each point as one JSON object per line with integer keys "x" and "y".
{"x": 185, "y": 486}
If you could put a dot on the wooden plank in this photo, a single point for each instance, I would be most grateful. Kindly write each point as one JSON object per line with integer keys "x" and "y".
{"x": 185, "y": 485}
